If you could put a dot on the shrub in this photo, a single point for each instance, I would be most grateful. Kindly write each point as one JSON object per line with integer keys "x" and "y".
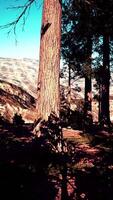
{"x": 17, "y": 119}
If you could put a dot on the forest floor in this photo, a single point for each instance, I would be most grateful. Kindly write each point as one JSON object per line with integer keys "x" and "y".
{"x": 29, "y": 171}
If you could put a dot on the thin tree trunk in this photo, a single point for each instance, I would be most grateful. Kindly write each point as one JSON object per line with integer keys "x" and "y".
{"x": 104, "y": 105}
{"x": 69, "y": 92}
{"x": 88, "y": 93}
{"x": 64, "y": 192}
{"x": 48, "y": 100}
{"x": 88, "y": 86}
{"x": 69, "y": 86}
{"x": 99, "y": 104}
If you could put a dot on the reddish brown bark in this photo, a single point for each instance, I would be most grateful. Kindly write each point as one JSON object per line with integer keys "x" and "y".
{"x": 48, "y": 78}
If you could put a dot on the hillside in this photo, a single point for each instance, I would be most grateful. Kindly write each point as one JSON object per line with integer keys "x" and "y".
{"x": 18, "y": 83}
{"x": 18, "y": 80}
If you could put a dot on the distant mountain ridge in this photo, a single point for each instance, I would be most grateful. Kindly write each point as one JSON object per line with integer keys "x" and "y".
{"x": 20, "y": 72}
{"x": 18, "y": 80}
{"x": 18, "y": 85}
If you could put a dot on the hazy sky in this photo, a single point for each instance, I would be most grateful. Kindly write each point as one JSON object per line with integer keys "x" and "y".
{"x": 27, "y": 40}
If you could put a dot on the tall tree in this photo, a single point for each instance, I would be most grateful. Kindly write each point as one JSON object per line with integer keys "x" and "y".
{"x": 105, "y": 83}
{"x": 88, "y": 84}
{"x": 49, "y": 64}
{"x": 104, "y": 15}
{"x": 86, "y": 29}
{"x": 77, "y": 42}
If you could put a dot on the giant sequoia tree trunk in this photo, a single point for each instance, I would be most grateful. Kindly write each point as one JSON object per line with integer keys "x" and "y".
{"x": 105, "y": 83}
{"x": 49, "y": 64}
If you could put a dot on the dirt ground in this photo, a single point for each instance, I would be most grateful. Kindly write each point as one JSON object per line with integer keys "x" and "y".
{"x": 29, "y": 171}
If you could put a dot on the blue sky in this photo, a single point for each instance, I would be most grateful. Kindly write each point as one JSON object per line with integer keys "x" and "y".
{"x": 28, "y": 41}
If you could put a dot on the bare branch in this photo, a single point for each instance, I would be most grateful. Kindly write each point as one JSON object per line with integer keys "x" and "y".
{"x": 15, "y": 7}
{"x": 13, "y": 25}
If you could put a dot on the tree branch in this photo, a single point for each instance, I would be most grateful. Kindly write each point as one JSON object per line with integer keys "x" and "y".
{"x": 13, "y": 25}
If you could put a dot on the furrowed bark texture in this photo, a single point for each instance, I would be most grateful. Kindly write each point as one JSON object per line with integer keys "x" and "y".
{"x": 49, "y": 65}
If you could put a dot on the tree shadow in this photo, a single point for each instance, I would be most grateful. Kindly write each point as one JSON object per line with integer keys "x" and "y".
{"x": 54, "y": 168}
{"x": 23, "y": 166}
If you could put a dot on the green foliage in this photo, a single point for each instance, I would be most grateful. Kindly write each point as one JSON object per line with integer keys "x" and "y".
{"x": 77, "y": 30}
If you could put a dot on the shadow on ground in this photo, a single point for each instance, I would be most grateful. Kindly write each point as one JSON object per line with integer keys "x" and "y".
{"x": 30, "y": 170}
